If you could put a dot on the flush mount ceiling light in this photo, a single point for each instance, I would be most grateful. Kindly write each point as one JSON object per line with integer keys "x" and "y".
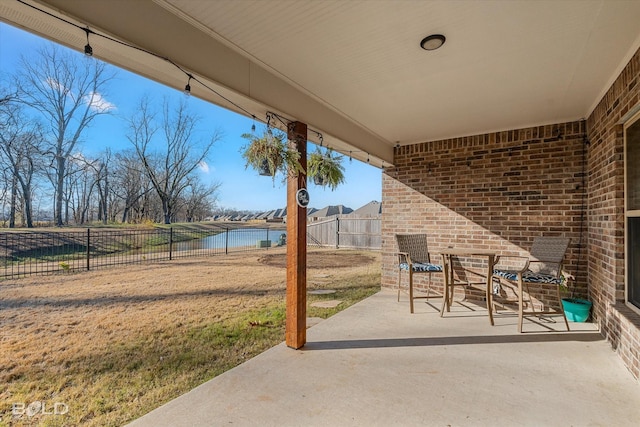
{"x": 432, "y": 42}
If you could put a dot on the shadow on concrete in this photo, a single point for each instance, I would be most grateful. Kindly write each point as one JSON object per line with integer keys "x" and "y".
{"x": 462, "y": 340}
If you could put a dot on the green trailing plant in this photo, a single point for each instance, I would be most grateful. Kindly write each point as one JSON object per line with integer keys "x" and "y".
{"x": 269, "y": 154}
{"x": 567, "y": 284}
{"x": 325, "y": 168}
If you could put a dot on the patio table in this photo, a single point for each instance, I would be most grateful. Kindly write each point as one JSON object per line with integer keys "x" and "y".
{"x": 482, "y": 254}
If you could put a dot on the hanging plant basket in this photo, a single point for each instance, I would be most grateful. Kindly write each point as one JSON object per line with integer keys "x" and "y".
{"x": 263, "y": 170}
{"x": 325, "y": 168}
{"x": 269, "y": 154}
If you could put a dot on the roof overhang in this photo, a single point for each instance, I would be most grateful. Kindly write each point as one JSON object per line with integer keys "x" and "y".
{"x": 354, "y": 71}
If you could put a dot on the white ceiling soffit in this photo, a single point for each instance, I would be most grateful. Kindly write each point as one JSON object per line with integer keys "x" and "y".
{"x": 505, "y": 64}
{"x": 354, "y": 70}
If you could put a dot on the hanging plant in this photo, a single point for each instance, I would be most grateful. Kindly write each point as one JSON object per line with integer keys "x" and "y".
{"x": 269, "y": 154}
{"x": 325, "y": 168}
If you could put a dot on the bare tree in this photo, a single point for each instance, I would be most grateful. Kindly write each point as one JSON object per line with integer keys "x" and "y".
{"x": 102, "y": 184}
{"x": 68, "y": 90}
{"x": 21, "y": 150}
{"x": 5, "y": 178}
{"x": 87, "y": 185}
{"x": 130, "y": 185}
{"x": 82, "y": 178}
{"x": 199, "y": 200}
{"x": 5, "y": 98}
{"x": 179, "y": 155}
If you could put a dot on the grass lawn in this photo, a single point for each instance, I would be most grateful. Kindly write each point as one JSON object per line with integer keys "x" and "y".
{"x": 102, "y": 348}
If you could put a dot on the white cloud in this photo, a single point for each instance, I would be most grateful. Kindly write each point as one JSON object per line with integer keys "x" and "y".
{"x": 77, "y": 158}
{"x": 98, "y": 103}
{"x": 204, "y": 167}
{"x": 56, "y": 85}
{"x": 94, "y": 100}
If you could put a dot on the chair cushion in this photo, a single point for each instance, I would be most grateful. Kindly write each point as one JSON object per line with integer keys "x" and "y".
{"x": 421, "y": 267}
{"x": 528, "y": 276}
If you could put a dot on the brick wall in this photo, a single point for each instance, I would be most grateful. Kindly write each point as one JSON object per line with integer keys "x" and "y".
{"x": 496, "y": 191}
{"x": 500, "y": 190}
{"x": 620, "y": 325}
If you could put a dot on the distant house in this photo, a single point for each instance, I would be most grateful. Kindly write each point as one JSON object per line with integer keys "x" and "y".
{"x": 263, "y": 216}
{"x": 370, "y": 210}
{"x": 328, "y": 212}
{"x": 277, "y": 215}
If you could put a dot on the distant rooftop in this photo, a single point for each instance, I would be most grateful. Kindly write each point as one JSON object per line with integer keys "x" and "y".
{"x": 371, "y": 209}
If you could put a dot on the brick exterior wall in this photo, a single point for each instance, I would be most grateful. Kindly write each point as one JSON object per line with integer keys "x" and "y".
{"x": 500, "y": 190}
{"x": 619, "y": 324}
{"x": 495, "y": 191}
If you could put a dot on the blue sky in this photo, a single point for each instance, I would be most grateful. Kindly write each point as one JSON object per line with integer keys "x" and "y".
{"x": 240, "y": 188}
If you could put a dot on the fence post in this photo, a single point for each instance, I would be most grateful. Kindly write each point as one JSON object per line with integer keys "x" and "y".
{"x": 170, "y": 242}
{"x": 88, "y": 248}
{"x": 337, "y": 233}
{"x": 268, "y": 245}
{"x": 226, "y": 242}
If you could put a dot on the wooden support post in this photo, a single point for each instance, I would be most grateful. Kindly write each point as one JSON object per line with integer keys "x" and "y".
{"x": 296, "y": 326}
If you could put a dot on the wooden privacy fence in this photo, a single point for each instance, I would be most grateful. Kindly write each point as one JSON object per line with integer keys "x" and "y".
{"x": 346, "y": 232}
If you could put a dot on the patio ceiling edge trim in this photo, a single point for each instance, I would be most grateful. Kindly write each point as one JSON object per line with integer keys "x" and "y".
{"x": 614, "y": 76}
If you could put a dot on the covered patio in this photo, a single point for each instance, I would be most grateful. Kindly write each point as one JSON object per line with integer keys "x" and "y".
{"x": 514, "y": 128}
{"x": 376, "y": 364}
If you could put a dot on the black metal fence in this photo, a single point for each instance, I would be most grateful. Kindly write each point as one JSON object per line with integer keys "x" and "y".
{"x": 27, "y": 253}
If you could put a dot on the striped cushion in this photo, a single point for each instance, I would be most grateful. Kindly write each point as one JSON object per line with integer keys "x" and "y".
{"x": 529, "y": 276}
{"x": 423, "y": 267}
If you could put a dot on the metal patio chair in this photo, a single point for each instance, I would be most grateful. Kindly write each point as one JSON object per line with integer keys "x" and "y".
{"x": 542, "y": 268}
{"x": 413, "y": 257}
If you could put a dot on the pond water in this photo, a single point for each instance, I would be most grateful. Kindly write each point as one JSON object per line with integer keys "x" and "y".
{"x": 233, "y": 239}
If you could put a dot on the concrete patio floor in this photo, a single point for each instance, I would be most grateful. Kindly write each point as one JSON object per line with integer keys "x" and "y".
{"x": 376, "y": 364}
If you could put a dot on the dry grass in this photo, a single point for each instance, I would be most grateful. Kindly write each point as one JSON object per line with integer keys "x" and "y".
{"x": 114, "y": 344}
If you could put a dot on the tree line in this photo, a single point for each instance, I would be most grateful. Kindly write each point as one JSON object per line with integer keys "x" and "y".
{"x": 46, "y": 107}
